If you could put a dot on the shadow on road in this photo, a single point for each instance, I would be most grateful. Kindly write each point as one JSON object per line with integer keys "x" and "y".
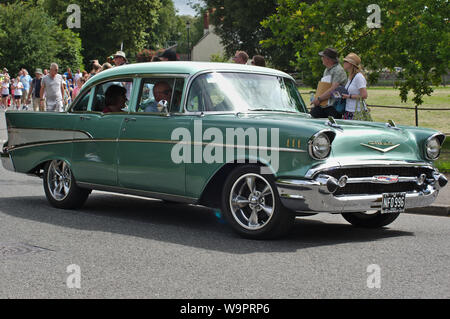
{"x": 183, "y": 224}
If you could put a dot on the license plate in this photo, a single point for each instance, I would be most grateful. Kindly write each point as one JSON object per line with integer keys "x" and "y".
{"x": 393, "y": 203}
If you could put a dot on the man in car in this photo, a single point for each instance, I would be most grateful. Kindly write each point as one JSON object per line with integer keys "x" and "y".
{"x": 161, "y": 91}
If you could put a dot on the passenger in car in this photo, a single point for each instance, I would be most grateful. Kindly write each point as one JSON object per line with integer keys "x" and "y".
{"x": 115, "y": 99}
{"x": 161, "y": 91}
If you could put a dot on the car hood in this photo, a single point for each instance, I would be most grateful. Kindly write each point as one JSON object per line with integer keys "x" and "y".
{"x": 355, "y": 140}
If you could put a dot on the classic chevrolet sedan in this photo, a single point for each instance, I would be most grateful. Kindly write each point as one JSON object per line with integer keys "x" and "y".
{"x": 226, "y": 136}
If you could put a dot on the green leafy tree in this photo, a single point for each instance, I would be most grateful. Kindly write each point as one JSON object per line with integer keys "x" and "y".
{"x": 30, "y": 38}
{"x": 106, "y": 24}
{"x": 414, "y": 36}
{"x": 238, "y": 23}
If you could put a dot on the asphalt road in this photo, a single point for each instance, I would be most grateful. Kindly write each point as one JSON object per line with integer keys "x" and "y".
{"x": 128, "y": 247}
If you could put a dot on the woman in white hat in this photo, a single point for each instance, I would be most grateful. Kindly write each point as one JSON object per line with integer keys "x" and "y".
{"x": 356, "y": 85}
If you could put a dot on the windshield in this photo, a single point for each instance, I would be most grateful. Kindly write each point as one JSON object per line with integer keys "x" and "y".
{"x": 242, "y": 92}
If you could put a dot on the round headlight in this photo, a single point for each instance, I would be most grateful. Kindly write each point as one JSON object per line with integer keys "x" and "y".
{"x": 433, "y": 148}
{"x": 320, "y": 146}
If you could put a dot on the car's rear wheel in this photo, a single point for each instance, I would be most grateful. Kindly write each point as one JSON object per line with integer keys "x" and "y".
{"x": 370, "y": 220}
{"x": 60, "y": 187}
{"x": 251, "y": 204}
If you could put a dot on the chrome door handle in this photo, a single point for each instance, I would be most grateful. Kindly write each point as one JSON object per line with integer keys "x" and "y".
{"x": 85, "y": 118}
{"x": 130, "y": 119}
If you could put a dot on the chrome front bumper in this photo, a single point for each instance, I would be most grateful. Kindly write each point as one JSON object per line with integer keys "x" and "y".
{"x": 317, "y": 195}
{"x": 7, "y": 161}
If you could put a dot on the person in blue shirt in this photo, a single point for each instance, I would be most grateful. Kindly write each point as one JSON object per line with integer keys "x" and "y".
{"x": 161, "y": 91}
{"x": 26, "y": 79}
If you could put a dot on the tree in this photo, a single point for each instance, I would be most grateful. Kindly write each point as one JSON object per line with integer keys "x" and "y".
{"x": 238, "y": 23}
{"x": 414, "y": 36}
{"x": 106, "y": 24}
{"x": 30, "y": 38}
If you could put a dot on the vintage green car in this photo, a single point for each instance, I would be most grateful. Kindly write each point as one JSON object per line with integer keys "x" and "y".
{"x": 226, "y": 136}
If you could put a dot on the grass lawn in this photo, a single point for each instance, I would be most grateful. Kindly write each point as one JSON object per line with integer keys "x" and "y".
{"x": 440, "y": 98}
{"x": 438, "y": 120}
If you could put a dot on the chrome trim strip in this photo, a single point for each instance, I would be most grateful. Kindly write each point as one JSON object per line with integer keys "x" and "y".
{"x": 249, "y": 147}
{"x": 7, "y": 161}
{"x": 350, "y": 164}
{"x": 25, "y": 136}
{"x": 136, "y": 192}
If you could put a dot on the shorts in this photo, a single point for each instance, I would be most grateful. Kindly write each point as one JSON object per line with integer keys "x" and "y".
{"x": 17, "y": 97}
{"x": 5, "y": 95}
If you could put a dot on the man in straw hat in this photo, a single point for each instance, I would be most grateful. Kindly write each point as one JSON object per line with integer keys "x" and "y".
{"x": 336, "y": 76}
{"x": 120, "y": 58}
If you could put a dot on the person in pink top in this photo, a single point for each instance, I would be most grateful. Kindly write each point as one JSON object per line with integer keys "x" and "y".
{"x": 76, "y": 90}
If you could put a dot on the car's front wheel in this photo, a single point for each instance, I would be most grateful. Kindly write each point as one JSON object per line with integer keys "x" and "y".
{"x": 60, "y": 187}
{"x": 251, "y": 204}
{"x": 370, "y": 220}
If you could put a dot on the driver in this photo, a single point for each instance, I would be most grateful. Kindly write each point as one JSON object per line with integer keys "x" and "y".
{"x": 161, "y": 91}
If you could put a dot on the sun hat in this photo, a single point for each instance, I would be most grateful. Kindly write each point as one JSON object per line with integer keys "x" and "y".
{"x": 330, "y": 53}
{"x": 38, "y": 71}
{"x": 353, "y": 59}
{"x": 120, "y": 54}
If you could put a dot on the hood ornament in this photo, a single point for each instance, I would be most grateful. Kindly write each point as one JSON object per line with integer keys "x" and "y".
{"x": 371, "y": 145}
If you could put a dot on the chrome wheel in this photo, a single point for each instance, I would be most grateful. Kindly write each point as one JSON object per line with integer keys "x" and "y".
{"x": 252, "y": 201}
{"x": 59, "y": 180}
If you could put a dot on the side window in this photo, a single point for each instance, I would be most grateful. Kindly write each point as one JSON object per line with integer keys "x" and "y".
{"x": 82, "y": 102}
{"x": 154, "y": 91}
{"x": 101, "y": 102}
{"x": 205, "y": 95}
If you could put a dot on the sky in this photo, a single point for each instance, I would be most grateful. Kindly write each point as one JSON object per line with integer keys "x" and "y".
{"x": 184, "y": 8}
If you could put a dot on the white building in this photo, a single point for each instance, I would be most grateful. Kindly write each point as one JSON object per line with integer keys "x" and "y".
{"x": 208, "y": 45}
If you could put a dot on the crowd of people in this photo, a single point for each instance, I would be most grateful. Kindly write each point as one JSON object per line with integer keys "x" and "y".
{"x": 50, "y": 91}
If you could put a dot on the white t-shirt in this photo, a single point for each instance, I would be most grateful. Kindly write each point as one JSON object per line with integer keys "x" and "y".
{"x": 359, "y": 82}
{"x": 5, "y": 88}
{"x": 18, "y": 89}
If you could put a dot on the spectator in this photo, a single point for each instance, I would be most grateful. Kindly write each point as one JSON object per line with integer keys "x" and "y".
{"x": 52, "y": 87}
{"x": 241, "y": 57}
{"x": 35, "y": 91}
{"x": 258, "y": 60}
{"x": 106, "y": 66}
{"x": 77, "y": 76}
{"x": 26, "y": 79}
{"x": 356, "y": 85}
{"x": 168, "y": 55}
{"x": 18, "y": 92}
{"x": 120, "y": 58}
{"x": 96, "y": 68}
{"x": 156, "y": 59}
{"x": 337, "y": 76}
{"x": 5, "y": 91}
{"x": 45, "y": 72}
{"x": 77, "y": 89}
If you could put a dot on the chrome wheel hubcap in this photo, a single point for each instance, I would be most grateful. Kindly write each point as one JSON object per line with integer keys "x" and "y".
{"x": 59, "y": 180}
{"x": 252, "y": 201}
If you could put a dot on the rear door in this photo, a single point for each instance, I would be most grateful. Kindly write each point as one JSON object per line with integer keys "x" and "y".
{"x": 95, "y": 159}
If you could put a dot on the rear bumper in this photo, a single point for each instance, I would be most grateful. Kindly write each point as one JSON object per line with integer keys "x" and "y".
{"x": 317, "y": 195}
{"x": 7, "y": 161}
